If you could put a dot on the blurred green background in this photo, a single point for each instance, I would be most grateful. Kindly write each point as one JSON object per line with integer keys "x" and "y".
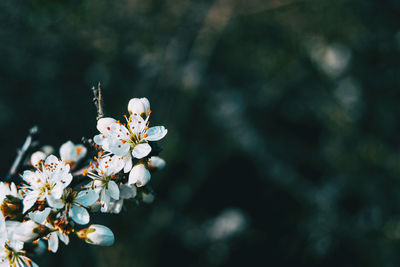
{"x": 283, "y": 145}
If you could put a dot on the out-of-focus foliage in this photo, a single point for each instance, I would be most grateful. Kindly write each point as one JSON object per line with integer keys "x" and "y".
{"x": 283, "y": 118}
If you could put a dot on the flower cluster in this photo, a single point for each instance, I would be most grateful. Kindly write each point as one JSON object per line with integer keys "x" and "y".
{"x": 56, "y": 195}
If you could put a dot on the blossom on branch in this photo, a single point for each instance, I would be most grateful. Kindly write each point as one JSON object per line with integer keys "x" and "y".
{"x": 52, "y": 203}
{"x": 46, "y": 183}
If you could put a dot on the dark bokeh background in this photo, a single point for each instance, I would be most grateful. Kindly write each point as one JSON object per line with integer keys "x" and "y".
{"x": 283, "y": 117}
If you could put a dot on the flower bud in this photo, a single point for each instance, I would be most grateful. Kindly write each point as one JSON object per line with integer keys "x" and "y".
{"x": 97, "y": 235}
{"x": 156, "y": 163}
{"x": 139, "y": 175}
{"x": 139, "y": 106}
{"x": 37, "y": 158}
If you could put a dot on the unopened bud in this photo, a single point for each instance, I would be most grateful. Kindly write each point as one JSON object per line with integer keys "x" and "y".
{"x": 139, "y": 106}
{"x": 37, "y": 158}
{"x": 156, "y": 163}
{"x": 97, "y": 235}
{"x": 139, "y": 175}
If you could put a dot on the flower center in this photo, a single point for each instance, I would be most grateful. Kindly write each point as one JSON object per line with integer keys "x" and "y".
{"x": 45, "y": 188}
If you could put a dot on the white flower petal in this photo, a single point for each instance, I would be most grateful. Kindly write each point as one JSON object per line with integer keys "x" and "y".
{"x": 79, "y": 214}
{"x": 110, "y": 165}
{"x": 104, "y": 123}
{"x": 156, "y": 133}
{"x": 5, "y": 190}
{"x": 86, "y": 197}
{"x": 137, "y": 123}
{"x": 67, "y": 151}
{"x": 3, "y": 232}
{"x": 54, "y": 202}
{"x": 113, "y": 190}
{"x": 141, "y": 150}
{"x": 105, "y": 201}
{"x": 51, "y": 160}
{"x": 29, "y": 200}
{"x": 81, "y": 151}
{"x": 116, "y": 164}
{"x": 128, "y": 163}
{"x": 119, "y": 131}
{"x": 53, "y": 242}
{"x": 37, "y": 158}
{"x": 97, "y": 186}
{"x": 39, "y": 216}
{"x": 13, "y": 189}
{"x": 57, "y": 190}
{"x": 118, "y": 147}
{"x": 139, "y": 106}
{"x": 29, "y": 177}
{"x": 63, "y": 237}
{"x": 23, "y": 232}
{"x": 66, "y": 178}
{"x": 99, "y": 139}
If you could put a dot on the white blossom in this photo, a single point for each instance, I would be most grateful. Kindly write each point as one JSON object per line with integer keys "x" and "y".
{"x": 46, "y": 207}
{"x": 47, "y": 182}
{"x": 12, "y": 254}
{"x": 11, "y": 251}
{"x": 128, "y": 140}
{"x": 56, "y": 233}
{"x": 102, "y": 179}
{"x": 71, "y": 153}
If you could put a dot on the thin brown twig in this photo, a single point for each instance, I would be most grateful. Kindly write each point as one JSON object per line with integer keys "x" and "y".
{"x": 98, "y": 101}
{"x": 22, "y": 151}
